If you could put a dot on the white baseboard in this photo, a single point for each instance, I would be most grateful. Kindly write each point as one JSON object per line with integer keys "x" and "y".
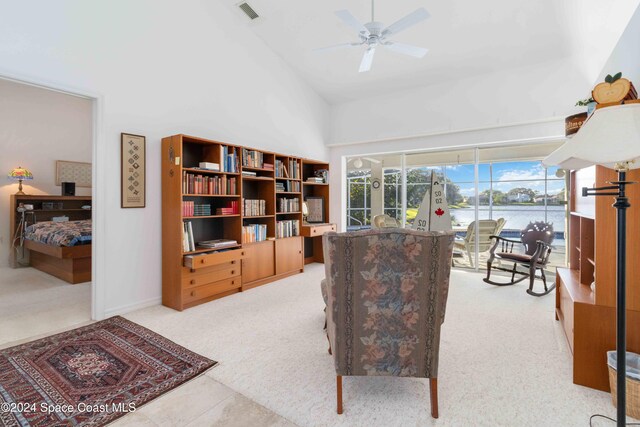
{"x": 123, "y": 309}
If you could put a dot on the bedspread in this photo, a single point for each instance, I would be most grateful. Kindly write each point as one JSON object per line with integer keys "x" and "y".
{"x": 71, "y": 233}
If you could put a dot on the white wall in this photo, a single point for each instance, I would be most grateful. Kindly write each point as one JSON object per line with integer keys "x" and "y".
{"x": 526, "y": 104}
{"x": 38, "y": 127}
{"x": 162, "y": 67}
{"x": 626, "y": 55}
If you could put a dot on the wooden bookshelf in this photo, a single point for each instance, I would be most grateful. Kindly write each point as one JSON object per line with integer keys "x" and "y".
{"x": 192, "y": 277}
{"x": 588, "y": 317}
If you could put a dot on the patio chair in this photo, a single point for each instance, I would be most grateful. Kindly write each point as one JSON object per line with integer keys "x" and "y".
{"x": 385, "y": 221}
{"x": 536, "y": 240}
{"x": 487, "y": 229}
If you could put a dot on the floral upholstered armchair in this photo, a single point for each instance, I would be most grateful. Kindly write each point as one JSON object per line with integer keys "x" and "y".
{"x": 386, "y": 293}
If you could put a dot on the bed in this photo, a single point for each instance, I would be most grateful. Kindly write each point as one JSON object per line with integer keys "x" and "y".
{"x": 62, "y": 249}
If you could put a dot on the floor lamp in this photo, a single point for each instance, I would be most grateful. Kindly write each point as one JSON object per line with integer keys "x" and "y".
{"x": 611, "y": 138}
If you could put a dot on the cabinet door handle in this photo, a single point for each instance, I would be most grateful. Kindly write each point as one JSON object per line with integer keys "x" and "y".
{"x": 233, "y": 282}
{"x": 233, "y": 272}
{"x": 233, "y": 262}
{"x": 193, "y": 281}
{"x": 193, "y": 293}
{"x": 299, "y": 252}
{"x": 201, "y": 261}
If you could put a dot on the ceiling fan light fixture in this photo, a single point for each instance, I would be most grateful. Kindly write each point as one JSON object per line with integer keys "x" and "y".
{"x": 357, "y": 163}
{"x": 373, "y": 34}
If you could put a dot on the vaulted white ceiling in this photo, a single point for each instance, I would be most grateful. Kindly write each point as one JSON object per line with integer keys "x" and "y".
{"x": 465, "y": 38}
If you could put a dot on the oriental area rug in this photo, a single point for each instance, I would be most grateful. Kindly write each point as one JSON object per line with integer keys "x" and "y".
{"x": 91, "y": 375}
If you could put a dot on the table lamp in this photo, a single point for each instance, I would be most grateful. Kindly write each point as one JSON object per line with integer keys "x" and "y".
{"x": 20, "y": 174}
{"x": 611, "y": 138}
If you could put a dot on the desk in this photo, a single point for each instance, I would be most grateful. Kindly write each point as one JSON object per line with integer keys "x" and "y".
{"x": 313, "y": 241}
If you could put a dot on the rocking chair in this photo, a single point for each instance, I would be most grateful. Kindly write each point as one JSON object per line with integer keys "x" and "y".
{"x": 536, "y": 239}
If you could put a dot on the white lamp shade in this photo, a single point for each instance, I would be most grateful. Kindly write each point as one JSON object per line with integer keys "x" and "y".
{"x": 611, "y": 135}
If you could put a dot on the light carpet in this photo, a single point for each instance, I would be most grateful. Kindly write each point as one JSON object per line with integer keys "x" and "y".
{"x": 503, "y": 360}
{"x": 34, "y": 303}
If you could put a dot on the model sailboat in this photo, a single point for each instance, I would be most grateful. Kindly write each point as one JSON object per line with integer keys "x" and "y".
{"x": 433, "y": 214}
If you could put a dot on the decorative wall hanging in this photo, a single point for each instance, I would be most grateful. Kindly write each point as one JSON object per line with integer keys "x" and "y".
{"x": 78, "y": 172}
{"x": 133, "y": 170}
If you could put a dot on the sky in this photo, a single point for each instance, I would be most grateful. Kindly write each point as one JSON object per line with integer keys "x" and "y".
{"x": 506, "y": 175}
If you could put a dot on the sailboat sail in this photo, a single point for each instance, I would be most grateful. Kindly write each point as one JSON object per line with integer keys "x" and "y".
{"x": 433, "y": 214}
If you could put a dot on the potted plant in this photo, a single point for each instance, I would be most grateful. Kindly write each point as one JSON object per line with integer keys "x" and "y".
{"x": 590, "y": 103}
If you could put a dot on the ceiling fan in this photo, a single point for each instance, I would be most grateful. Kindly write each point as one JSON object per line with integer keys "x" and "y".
{"x": 357, "y": 161}
{"x": 374, "y": 34}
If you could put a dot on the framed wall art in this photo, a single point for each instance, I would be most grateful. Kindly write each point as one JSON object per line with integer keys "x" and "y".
{"x": 316, "y": 209}
{"x": 78, "y": 172}
{"x": 133, "y": 170}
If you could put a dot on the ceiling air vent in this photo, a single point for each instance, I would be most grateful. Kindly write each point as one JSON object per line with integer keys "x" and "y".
{"x": 248, "y": 10}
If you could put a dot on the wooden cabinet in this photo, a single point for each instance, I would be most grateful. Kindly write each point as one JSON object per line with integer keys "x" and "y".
{"x": 313, "y": 232}
{"x": 259, "y": 262}
{"x": 289, "y": 257}
{"x": 209, "y": 204}
{"x": 588, "y": 317}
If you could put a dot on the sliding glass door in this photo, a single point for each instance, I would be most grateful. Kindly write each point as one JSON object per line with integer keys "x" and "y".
{"x": 506, "y": 186}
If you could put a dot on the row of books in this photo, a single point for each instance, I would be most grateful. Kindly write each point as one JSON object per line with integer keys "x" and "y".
{"x": 231, "y": 208}
{"x": 290, "y": 169}
{"x": 204, "y": 184}
{"x": 190, "y": 208}
{"x": 254, "y": 159}
{"x": 251, "y": 207}
{"x": 228, "y": 159}
{"x": 188, "y": 244}
{"x": 315, "y": 180}
{"x": 254, "y": 233}
{"x": 288, "y": 205}
{"x": 288, "y": 186}
{"x": 287, "y": 228}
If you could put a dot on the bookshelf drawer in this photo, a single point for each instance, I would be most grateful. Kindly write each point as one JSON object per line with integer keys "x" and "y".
{"x": 204, "y": 291}
{"x": 212, "y": 274}
{"x": 317, "y": 230}
{"x": 197, "y": 262}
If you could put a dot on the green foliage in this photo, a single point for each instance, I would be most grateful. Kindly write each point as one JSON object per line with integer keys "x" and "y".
{"x": 611, "y": 79}
{"x": 584, "y": 102}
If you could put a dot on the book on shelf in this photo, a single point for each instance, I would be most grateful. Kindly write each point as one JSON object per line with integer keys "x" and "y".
{"x": 252, "y": 207}
{"x": 208, "y": 185}
{"x": 217, "y": 243}
{"x": 288, "y": 205}
{"x": 188, "y": 243}
{"x": 228, "y": 159}
{"x": 208, "y": 166}
{"x": 249, "y": 173}
{"x": 281, "y": 169}
{"x": 316, "y": 180}
{"x": 254, "y": 233}
{"x": 287, "y": 187}
{"x": 231, "y": 208}
{"x": 288, "y": 228}
{"x": 191, "y": 208}
{"x": 252, "y": 159}
{"x": 268, "y": 166}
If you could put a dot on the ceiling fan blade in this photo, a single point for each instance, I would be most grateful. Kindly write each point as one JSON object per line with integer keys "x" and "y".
{"x": 350, "y": 20}
{"x": 406, "y": 22}
{"x": 367, "y": 60}
{"x": 336, "y": 47}
{"x": 407, "y": 49}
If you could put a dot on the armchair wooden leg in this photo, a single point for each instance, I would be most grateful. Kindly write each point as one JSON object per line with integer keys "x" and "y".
{"x": 433, "y": 389}
{"x": 339, "y": 390}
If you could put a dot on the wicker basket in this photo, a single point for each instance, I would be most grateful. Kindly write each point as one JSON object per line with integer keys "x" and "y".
{"x": 633, "y": 393}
